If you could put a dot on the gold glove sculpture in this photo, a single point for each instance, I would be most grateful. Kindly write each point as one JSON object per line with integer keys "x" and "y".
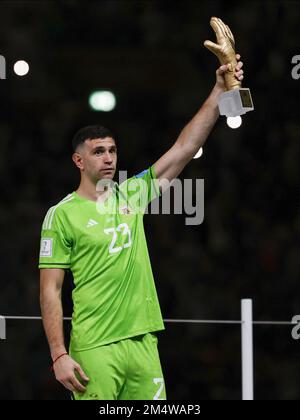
{"x": 236, "y": 101}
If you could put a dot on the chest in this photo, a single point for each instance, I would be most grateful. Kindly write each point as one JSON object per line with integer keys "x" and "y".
{"x": 113, "y": 232}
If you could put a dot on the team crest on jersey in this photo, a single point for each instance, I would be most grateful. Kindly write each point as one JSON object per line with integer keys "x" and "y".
{"x": 125, "y": 210}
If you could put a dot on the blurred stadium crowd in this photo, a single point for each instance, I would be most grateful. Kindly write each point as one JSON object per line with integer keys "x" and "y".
{"x": 151, "y": 55}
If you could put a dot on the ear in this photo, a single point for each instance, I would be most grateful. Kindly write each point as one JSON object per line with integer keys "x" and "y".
{"x": 77, "y": 159}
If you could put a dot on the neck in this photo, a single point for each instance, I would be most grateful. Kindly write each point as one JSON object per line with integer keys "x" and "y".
{"x": 87, "y": 189}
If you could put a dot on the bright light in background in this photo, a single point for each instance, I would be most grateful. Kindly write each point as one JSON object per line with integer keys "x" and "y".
{"x": 102, "y": 100}
{"x": 199, "y": 153}
{"x": 21, "y": 68}
{"x": 234, "y": 122}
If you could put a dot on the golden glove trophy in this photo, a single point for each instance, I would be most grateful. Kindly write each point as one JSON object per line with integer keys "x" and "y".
{"x": 237, "y": 100}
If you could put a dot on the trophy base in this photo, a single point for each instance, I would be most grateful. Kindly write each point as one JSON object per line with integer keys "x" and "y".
{"x": 235, "y": 102}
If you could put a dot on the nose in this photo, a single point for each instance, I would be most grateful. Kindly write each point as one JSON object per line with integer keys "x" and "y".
{"x": 108, "y": 157}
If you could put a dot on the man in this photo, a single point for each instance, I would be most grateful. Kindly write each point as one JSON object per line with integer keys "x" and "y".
{"x": 113, "y": 350}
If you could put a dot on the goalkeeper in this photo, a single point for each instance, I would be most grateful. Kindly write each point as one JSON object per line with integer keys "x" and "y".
{"x": 113, "y": 350}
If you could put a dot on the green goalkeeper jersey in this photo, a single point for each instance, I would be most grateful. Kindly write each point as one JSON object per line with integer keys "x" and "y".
{"x": 104, "y": 245}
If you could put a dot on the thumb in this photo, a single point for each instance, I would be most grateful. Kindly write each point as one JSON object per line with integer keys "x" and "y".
{"x": 81, "y": 373}
{"x": 211, "y": 46}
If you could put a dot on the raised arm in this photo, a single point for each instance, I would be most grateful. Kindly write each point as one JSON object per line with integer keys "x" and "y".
{"x": 51, "y": 281}
{"x": 195, "y": 133}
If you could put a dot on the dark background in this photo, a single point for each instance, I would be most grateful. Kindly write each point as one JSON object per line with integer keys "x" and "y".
{"x": 151, "y": 55}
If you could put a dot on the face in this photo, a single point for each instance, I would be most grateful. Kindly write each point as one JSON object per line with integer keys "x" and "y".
{"x": 97, "y": 159}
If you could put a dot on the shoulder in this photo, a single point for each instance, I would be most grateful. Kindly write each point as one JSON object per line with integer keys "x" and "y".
{"x": 146, "y": 173}
{"x": 138, "y": 178}
{"x": 141, "y": 174}
{"x": 58, "y": 211}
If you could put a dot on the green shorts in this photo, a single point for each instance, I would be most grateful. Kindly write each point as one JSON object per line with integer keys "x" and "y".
{"x": 129, "y": 369}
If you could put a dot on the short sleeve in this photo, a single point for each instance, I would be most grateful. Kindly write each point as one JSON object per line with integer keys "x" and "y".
{"x": 55, "y": 246}
{"x": 141, "y": 189}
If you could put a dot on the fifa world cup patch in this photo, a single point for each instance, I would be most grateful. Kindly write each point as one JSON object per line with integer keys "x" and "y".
{"x": 46, "y": 247}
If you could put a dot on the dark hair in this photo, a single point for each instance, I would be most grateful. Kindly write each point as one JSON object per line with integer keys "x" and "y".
{"x": 89, "y": 133}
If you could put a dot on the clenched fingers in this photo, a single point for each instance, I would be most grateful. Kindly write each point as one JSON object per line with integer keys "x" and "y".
{"x": 73, "y": 385}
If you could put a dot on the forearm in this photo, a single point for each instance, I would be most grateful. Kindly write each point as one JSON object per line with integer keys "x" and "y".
{"x": 195, "y": 133}
{"x": 52, "y": 314}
